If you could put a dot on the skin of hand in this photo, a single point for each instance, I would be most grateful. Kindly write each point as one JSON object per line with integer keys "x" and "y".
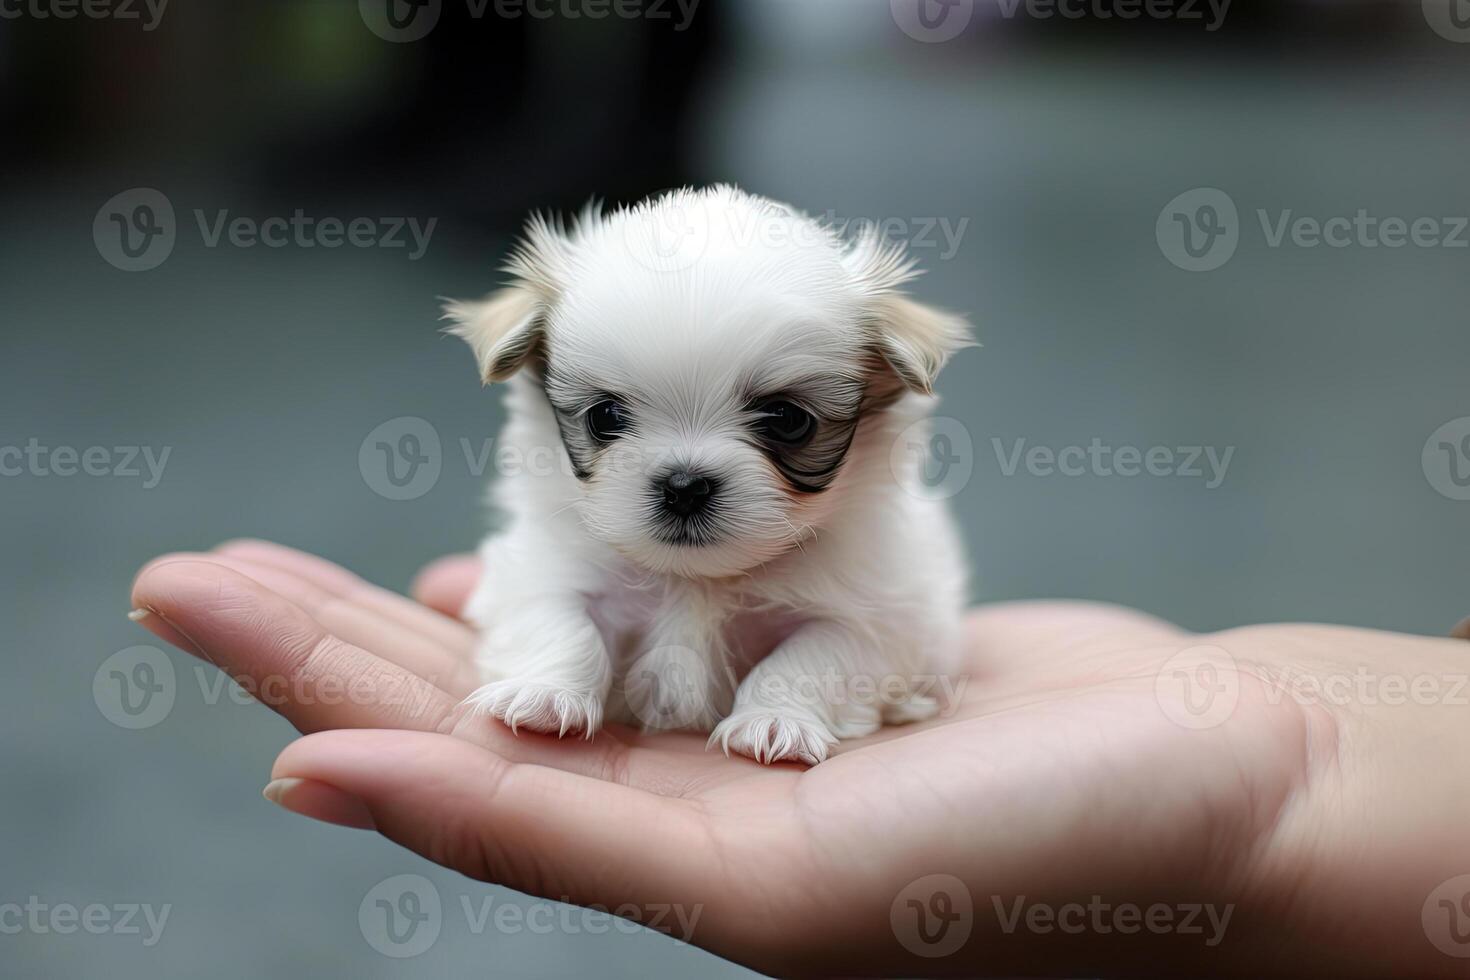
{"x": 1097, "y": 755}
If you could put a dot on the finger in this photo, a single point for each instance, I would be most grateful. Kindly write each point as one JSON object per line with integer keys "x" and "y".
{"x": 319, "y": 801}
{"x": 535, "y": 829}
{"x": 279, "y": 653}
{"x": 669, "y": 764}
{"x": 1462, "y": 631}
{"x": 446, "y": 584}
{"x": 339, "y": 582}
{"x": 202, "y": 605}
{"x": 361, "y": 624}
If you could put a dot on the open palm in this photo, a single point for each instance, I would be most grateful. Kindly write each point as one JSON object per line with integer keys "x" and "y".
{"x": 1096, "y": 753}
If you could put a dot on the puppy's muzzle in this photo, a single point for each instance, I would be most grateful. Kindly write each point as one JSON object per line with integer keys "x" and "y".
{"x": 686, "y": 494}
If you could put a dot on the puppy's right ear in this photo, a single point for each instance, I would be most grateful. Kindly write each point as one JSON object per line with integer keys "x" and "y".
{"x": 503, "y": 329}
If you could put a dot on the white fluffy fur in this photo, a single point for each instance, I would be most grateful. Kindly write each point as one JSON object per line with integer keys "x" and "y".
{"x": 685, "y": 304}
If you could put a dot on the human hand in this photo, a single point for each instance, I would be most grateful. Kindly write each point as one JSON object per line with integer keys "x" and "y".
{"x": 1078, "y": 763}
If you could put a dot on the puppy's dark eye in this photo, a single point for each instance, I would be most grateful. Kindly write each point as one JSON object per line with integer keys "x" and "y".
{"x": 785, "y": 423}
{"x": 607, "y": 420}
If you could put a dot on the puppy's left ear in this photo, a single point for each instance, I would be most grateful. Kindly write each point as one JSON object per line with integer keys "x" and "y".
{"x": 916, "y": 340}
{"x": 503, "y": 329}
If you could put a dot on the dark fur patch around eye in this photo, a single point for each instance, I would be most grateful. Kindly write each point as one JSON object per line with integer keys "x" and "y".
{"x": 836, "y": 405}
{"x": 813, "y": 467}
{"x": 569, "y": 400}
{"x": 580, "y": 451}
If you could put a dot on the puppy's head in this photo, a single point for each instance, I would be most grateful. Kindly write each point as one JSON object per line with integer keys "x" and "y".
{"x": 712, "y": 359}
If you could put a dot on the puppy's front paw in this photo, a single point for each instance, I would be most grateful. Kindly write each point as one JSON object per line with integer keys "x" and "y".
{"x": 774, "y": 735}
{"x": 540, "y": 707}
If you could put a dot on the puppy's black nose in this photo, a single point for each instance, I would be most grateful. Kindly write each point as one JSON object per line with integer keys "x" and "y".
{"x": 686, "y": 494}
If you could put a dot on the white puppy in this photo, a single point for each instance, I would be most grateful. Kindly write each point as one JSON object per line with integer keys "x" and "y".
{"x": 709, "y": 525}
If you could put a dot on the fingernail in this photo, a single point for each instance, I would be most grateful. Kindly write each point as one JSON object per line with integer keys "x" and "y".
{"x": 137, "y": 615}
{"x": 319, "y": 801}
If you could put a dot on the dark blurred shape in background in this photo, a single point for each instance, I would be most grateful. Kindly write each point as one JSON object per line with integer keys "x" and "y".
{"x": 486, "y": 116}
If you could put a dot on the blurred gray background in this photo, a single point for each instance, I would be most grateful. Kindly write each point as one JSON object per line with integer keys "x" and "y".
{"x": 1048, "y": 148}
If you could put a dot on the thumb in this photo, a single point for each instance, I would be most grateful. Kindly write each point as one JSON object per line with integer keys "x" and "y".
{"x": 539, "y": 830}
